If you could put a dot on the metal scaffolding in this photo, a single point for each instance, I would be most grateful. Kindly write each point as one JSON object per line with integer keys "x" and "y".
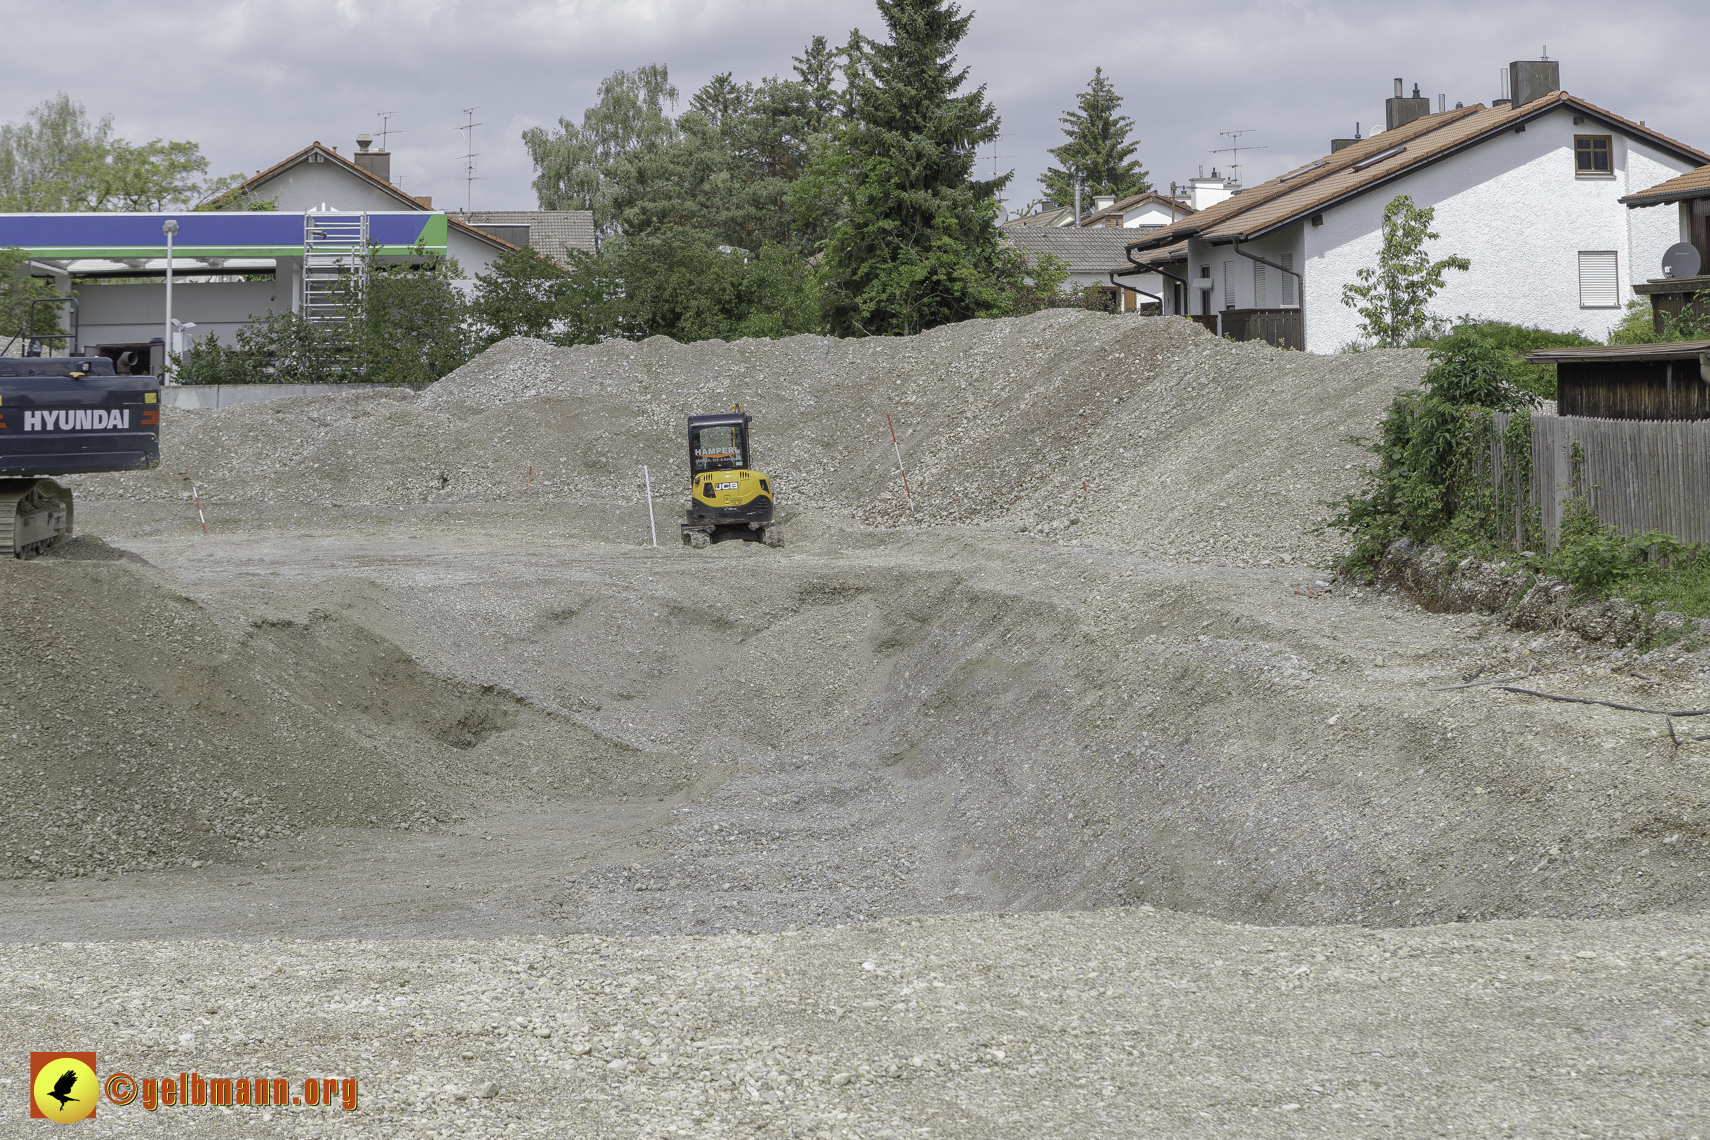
{"x": 335, "y": 264}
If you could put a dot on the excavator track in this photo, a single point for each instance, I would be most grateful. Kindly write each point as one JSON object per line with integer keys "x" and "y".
{"x": 34, "y": 515}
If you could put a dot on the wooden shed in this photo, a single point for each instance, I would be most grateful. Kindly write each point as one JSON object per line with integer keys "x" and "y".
{"x": 1632, "y": 381}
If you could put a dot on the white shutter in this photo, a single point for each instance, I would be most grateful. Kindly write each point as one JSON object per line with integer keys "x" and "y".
{"x": 1258, "y": 285}
{"x": 1599, "y": 284}
{"x": 1228, "y": 284}
{"x": 1287, "y": 260}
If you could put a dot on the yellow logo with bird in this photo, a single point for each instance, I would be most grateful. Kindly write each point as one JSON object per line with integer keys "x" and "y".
{"x": 63, "y": 1086}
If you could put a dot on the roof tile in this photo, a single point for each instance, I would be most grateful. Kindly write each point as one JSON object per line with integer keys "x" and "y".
{"x": 1310, "y": 188}
{"x": 1087, "y": 249}
{"x": 551, "y": 232}
{"x": 1683, "y": 187}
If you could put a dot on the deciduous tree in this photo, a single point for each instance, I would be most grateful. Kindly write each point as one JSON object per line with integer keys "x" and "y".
{"x": 57, "y": 160}
{"x": 1393, "y": 298}
{"x": 573, "y": 164}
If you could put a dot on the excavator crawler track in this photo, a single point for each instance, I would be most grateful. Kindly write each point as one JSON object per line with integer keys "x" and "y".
{"x": 34, "y": 515}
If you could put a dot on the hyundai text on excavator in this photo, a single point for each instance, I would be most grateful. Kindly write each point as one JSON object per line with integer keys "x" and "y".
{"x": 64, "y": 415}
{"x": 727, "y": 497}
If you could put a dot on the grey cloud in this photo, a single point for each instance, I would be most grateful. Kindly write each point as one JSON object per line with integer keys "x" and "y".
{"x": 254, "y": 82}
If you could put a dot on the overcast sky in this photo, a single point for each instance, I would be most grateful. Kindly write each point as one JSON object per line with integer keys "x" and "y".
{"x": 255, "y": 80}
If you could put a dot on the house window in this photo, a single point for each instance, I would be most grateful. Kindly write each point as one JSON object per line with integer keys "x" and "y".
{"x": 1599, "y": 287}
{"x": 1228, "y": 284}
{"x": 1591, "y": 154}
{"x": 1148, "y": 227}
{"x": 1258, "y": 285}
{"x": 1287, "y": 260}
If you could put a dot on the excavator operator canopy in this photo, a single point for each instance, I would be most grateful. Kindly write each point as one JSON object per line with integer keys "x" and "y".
{"x": 718, "y": 443}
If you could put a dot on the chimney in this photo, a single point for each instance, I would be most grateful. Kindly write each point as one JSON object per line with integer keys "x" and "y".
{"x": 1103, "y": 201}
{"x": 425, "y": 200}
{"x": 1530, "y": 79}
{"x": 1205, "y": 192}
{"x": 1399, "y": 111}
{"x": 1338, "y": 144}
{"x": 376, "y": 162}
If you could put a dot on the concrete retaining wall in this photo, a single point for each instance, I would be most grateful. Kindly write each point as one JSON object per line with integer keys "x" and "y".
{"x": 214, "y": 396}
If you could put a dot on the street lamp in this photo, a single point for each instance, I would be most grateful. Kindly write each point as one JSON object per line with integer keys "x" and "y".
{"x": 181, "y": 332}
{"x": 170, "y": 228}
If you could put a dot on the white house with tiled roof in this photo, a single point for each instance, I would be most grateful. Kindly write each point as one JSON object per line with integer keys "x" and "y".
{"x": 1528, "y": 191}
{"x": 318, "y": 178}
{"x": 1143, "y": 212}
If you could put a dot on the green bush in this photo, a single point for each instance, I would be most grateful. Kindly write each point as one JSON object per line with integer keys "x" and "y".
{"x": 1516, "y": 342}
{"x": 406, "y": 326}
{"x": 523, "y": 293}
{"x": 681, "y": 284}
{"x": 1638, "y": 326}
{"x": 207, "y": 361}
{"x": 1432, "y": 482}
{"x": 1433, "y": 485}
{"x": 1469, "y": 367}
{"x": 1599, "y": 561}
{"x": 1652, "y": 569}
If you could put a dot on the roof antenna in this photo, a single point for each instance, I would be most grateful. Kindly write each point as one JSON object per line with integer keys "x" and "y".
{"x": 469, "y": 175}
{"x": 1236, "y": 148}
{"x": 385, "y": 128}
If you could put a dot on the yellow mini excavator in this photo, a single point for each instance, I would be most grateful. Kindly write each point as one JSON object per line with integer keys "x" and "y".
{"x": 727, "y": 498}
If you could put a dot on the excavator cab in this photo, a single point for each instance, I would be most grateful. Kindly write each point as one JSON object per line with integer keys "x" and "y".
{"x": 66, "y": 415}
{"x": 728, "y": 498}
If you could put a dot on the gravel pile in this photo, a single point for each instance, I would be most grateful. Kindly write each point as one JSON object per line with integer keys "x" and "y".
{"x": 1149, "y": 433}
{"x": 930, "y": 722}
{"x": 1127, "y": 1022}
{"x": 407, "y": 692}
{"x": 146, "y": 731}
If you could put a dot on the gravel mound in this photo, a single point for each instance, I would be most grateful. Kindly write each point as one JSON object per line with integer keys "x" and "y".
{"x": 938, "y": 718}
{"x": 704, "y": 774}
{"x": 1149, "y": 433}
{"x": 1127, "y": 1022}
{"x": 144, "y": 730}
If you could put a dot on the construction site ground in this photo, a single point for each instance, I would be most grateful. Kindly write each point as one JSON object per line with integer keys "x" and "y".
{"x": 1071, "y": 796}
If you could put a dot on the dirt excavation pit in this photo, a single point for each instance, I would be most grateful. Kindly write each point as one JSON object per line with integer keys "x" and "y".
{"x": 407, "y": 689}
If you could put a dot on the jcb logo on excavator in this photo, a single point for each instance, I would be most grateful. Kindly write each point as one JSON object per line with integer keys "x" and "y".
{"x": 92, "y": 419}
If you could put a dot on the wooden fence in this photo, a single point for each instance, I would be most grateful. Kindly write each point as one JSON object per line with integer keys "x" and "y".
{"x": 1279, "y": 328}
{"x": 1639, "y": 474}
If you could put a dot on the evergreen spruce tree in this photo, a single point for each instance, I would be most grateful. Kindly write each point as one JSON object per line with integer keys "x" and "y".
{"x": 722, "y": 99}
{"x": 816, "y": 67}
{"x": 918, "y": 246}
{"x": 1098, "y": 149}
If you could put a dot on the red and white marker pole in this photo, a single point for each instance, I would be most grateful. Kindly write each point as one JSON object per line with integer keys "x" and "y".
{"x": 196, "y": 497}
{"x": 906, "y": 492}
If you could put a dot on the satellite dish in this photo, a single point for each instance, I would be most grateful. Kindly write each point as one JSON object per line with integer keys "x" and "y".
{"x": 1681, "y": 260}
{"x": 1003, "y": 216}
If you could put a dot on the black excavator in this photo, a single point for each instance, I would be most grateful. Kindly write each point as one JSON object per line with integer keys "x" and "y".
{"x": 727, "y": 497}
{"x": 66, "y": 415}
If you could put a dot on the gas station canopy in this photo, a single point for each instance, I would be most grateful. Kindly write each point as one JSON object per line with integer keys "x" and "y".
{"x": 100, "y": 245}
